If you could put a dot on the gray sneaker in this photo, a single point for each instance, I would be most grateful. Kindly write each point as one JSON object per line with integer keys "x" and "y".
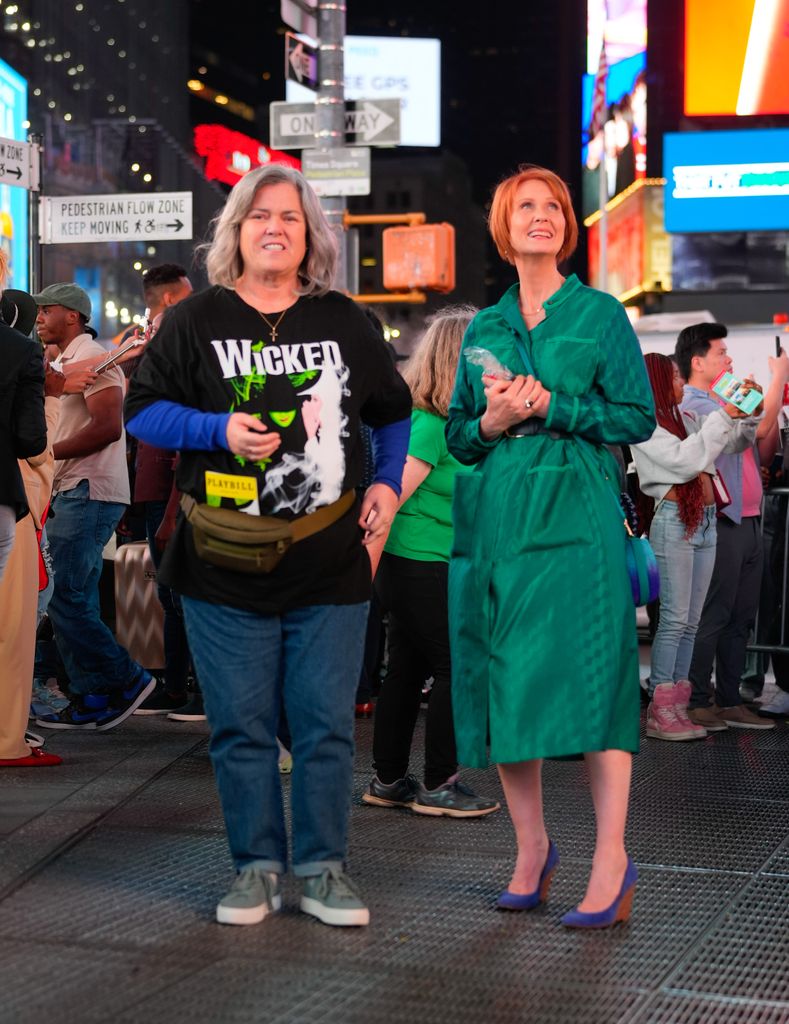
{"x": 254, "y": 894}
{"x": 333, "y": 899}
{"x": 401, "y": 793}
{"x": 453, "y": 800}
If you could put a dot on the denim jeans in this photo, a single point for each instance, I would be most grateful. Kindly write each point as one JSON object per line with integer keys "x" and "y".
{"x": 176, "y": 646}
{"x": 685, "y": 571}
{"x": 78, "y": 529}
{"x": 246, "y": 664}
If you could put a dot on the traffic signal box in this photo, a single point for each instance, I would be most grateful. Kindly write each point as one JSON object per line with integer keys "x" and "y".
{"x": 421, "y": 256}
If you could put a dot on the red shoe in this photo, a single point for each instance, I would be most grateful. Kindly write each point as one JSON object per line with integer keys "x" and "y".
{"x": 365, "y": 710}
{"x": 35, "y": 759}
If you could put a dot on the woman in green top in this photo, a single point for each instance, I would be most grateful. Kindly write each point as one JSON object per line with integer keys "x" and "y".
{"x": 541, "y": 612}
{"x": 412, "y": 586}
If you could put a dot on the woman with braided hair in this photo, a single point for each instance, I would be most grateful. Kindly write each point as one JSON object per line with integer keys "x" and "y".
{"x": 675, "y": 472}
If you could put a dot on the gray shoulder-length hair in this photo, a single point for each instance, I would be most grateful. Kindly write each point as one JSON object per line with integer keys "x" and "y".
{"x": 222, "y": 254}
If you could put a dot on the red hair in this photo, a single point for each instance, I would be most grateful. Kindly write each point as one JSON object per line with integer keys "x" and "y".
{"x": 504, "y": 197}
{"x": 690, "y": 495}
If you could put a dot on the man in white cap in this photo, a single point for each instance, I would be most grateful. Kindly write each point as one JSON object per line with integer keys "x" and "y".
{"x": 91, "y": 490}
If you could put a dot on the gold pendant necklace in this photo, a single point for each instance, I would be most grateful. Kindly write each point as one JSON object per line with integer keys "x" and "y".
{"x": 273, "y": 327}
{"x": 532, "y": 312}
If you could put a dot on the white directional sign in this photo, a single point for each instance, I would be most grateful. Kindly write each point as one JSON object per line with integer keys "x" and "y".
{"x": 129, "y": 217}
{"x": 19, "y": 164}
{"x": 292, "y": 125}
{"x": 301, "y": 15}
{"x": 338, "y": 172}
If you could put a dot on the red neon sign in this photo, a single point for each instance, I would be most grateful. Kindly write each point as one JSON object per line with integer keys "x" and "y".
{"x": 230, "y": 154}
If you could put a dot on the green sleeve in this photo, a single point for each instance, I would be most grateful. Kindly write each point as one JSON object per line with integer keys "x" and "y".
{"x": 465, "y": 411}
{"x": 619, "y": 408}
{"x": 427, "y": 440}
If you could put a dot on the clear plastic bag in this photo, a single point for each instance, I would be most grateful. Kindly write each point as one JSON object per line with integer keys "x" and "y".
{"x": 491, "y": 367}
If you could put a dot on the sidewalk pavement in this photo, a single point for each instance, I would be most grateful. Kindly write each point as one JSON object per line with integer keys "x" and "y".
{"x": 111, "y": 866}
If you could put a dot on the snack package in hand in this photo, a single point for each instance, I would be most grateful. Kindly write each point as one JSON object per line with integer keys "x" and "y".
{"x": 491, "y": 367}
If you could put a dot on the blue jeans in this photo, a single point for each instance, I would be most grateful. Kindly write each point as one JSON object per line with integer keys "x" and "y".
{"x": 78, "y": 530}
{"x": 246, "y": 664}
{"x": 685, "y": 571}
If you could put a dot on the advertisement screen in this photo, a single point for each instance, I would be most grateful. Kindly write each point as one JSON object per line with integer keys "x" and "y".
{"x": 736, "y": 56}
{"x": 393, "y": 67}
{"x": 13, "y": 200}
{"x": 727, "y": 181}
{"x": 614, "y": 100}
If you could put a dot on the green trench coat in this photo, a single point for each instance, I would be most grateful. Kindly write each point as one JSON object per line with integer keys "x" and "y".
{"x": 542, "y": 620}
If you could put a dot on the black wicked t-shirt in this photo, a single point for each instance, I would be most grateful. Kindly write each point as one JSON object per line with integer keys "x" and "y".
{"x": 326, "y": 372}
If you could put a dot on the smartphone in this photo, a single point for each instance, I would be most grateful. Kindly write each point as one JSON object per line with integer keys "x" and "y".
{"x": 777, "y": 347}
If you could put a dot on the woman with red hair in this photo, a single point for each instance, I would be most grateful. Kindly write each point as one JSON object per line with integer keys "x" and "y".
{"x": 544, "y": 647}
{"x": 676, "y": 471}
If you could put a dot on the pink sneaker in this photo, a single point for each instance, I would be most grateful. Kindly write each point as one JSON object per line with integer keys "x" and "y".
{"x": 662, "y": 720}
{"x": 682, "y": 692}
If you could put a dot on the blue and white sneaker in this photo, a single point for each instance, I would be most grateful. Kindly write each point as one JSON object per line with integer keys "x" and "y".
{"x": 85, "y": 712}
{"x": 126, "y": 702}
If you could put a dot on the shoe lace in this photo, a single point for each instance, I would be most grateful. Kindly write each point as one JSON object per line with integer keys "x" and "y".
{"x": 340, "y": 884}
{"x": 250, "y": 877}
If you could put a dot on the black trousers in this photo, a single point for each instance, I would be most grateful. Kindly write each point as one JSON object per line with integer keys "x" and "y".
{"x": 415, "y": 595}
{"x": 729, "y": 613}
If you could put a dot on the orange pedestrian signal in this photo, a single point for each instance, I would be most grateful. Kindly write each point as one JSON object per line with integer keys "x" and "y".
{"x": 420, "y": 257}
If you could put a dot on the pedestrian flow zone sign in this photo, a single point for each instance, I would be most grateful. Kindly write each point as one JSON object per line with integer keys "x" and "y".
{"x": 19, "y": 164}
{"x": 131, "y": 217}
{"x": 292, "y": 125}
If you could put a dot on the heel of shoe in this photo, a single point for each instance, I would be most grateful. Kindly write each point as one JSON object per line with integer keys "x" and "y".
{"x": 625, "y": 905}
{"x": 545, "y": 884}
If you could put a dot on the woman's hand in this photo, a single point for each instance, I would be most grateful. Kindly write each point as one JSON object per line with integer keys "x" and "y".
{"x": 378, "y": 510}
{"x": 54, "y": 381}
{"x": 511, "y": 402}
{"x": 249, "y": 438}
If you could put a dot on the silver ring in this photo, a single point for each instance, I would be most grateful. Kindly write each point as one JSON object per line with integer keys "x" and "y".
{"x": 528, "y": 403}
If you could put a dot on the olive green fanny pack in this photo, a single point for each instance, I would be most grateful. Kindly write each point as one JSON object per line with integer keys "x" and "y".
{"x": 253, "y": 544}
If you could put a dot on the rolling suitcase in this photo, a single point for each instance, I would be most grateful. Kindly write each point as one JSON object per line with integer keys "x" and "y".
{"x": 139, "y": 616}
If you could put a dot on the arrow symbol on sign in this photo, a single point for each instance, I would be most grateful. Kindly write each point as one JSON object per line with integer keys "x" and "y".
{"x": 178, "y": 224}
{"x": 369, "y": 122}
{"x": 16, "y": 171}
{"x": 296, "y": 58}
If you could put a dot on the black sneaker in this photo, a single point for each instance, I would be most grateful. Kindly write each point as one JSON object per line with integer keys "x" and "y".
{"x": 453, "y": 800}
{"x": 85, "y": 712}
{"x": 125, "y": 702}
{"x": 397, "y": 794}
{"x": 161, "y": 702}
{"x": 192, "y": 711}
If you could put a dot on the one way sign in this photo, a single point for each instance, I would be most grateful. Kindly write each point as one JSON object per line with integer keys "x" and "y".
{"x": 376, "y": 122}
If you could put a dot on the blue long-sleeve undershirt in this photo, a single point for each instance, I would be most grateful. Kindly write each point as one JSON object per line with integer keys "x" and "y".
{"x": 170, "y": 425}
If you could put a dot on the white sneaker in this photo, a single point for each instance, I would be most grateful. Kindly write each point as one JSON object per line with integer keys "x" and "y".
{"x": 779, "y": 705}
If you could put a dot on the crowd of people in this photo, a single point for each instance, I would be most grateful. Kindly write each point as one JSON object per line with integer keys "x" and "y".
{"x": 280, "y": 464}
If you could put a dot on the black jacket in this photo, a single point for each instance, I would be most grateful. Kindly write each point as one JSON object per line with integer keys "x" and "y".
{"x": 23, "y": 426}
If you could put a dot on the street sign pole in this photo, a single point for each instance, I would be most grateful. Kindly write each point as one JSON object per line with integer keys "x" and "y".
{"x": 33, "y": 240}
{"x": 330, "y": 111}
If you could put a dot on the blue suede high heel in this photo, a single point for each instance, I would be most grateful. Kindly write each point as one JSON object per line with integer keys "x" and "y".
{"x": 618, "y": 911}
{"x": 528, "y": 901}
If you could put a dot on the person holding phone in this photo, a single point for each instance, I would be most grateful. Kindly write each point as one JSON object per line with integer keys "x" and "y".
{"x": 282, "y": 370}
{"x": 676, "y": 476}
{"x": 540, "y": 545}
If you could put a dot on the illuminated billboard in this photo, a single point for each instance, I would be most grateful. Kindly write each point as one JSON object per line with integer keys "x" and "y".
{"x": 727, "y": 181}
{"x": 736, "y": 56}
{"x": 230, "y": 154}
{"x": 614, "y": 100}
{"x": 393, "y": 67}
{"x": 13, "y": 200}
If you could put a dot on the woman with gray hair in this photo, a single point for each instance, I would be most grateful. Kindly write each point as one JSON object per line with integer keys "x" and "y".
{"x": 261, "y": 383}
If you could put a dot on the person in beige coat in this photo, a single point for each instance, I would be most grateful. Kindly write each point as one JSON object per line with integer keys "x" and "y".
{"x": 19, "y": 598}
